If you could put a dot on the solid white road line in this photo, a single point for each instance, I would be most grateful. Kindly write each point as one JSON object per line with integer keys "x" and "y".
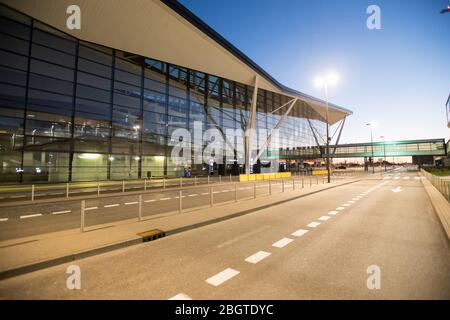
{"x": 221, "y": 277}
{"x": 130, "y": 203}
{"x": 152, "y": 200}
{"x": 257, "y": 257}
{"x": 181, "y": 296}
{"x": 340, "y": 208}
{"x": 91, "y": 208}
{"x": 3, "y": 219}
{"x": 299, "y": 232}
{"x": 112, "y": 205}
{"x": 324, "y": 218}
{"x": 281, "y": 243}
{"x": 31, "y": 216}
{"x": 333, "y": 213}
{"x": 313, "y": 224}
{"x": 61, "y": 212}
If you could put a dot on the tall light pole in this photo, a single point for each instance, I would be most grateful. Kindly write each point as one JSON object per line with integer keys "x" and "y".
{"x": 323, "y": 82}
{"x": 372, "y": 125}
{"x": 384, "y": 151}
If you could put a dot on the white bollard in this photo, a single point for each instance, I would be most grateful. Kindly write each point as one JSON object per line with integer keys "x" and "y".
{"x": 140, "y": 208}
{"x": 82, "y": 211}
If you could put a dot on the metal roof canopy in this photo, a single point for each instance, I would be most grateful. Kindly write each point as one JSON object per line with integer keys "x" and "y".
{"x": 164, "y": 30}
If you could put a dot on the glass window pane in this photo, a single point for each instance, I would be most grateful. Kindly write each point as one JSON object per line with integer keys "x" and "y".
{"x": 53, "y": 41}
{"x": 94, "y": 68}
{"x": 49, "y": 84}
{"x": 13, "y": 76}
{"x": 51, "y": 70}
{"x": 95, "y": 55}
{"x": 93, "y": 93}
{"x": 94, "y": 81}
{"x": 13, "y": 44}
{"x": 14, "y": 28}
{"x": 13, "y": 60}
{"x": 54, "y": 56}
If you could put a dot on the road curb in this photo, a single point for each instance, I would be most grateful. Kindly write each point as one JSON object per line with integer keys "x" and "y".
{"x": 16, "y": 271}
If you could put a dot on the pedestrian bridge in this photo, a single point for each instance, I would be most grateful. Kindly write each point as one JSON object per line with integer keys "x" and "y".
{"x": 402, "y": 148}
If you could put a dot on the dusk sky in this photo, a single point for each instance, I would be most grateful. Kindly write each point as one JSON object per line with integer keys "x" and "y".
{"x": 398, "y": 76}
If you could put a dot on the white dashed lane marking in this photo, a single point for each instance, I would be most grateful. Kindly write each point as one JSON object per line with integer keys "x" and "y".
{"x": 340, "y": 208}
{"x": 281, "y": 243}
{"x": 152, "y": 200}
{"x": 130, "y": 203}
{"x": 257, "y": 257}
{"x": 3, "y": 219}
{"x": 91, "y": 208}
{"x": 163, "y": 199}
{"x": 181, "y": 296}
{"x": 324, "y": 218}
{"x": 31, "y": 216}
{"x": 333, "y": 213}
{"x": 313, "y": 224}
{"x": 299, "y": 232}
{"x": 221, "y": 277}
{"x": 61, "y": 212}
{"x": 112, "y": 205}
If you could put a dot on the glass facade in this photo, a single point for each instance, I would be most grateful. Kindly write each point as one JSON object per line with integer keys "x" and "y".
{"x": 74, "y": 111}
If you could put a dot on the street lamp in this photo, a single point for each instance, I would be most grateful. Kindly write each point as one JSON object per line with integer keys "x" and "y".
{"x": 372, "y": 125}
{"x": 384, "y": 151}
{"x": 323, "y": 82}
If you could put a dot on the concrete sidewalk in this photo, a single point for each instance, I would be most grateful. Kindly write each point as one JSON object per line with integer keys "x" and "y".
{"x": 27, "y": 254}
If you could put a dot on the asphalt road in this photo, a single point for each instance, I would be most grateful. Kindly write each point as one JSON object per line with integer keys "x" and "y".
{"x": 386, "y": 223}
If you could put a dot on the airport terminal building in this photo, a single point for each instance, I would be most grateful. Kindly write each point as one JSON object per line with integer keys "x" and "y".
{"x": 101, "y": 102}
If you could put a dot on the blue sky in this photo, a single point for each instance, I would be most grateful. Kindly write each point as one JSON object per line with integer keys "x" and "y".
{"x": 398, "y": 76}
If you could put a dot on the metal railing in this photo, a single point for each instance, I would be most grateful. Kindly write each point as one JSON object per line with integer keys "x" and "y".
{"x": 182, "y": 198}
{"x": 98, "y": 188}
{"x": 71, "y": 189}
{"x": 440, "y": 183}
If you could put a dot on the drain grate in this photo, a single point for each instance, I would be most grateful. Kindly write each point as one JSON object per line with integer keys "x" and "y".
{"x": 151, "y": 235}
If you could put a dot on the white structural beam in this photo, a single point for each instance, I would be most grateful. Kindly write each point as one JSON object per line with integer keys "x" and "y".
{"x": 251, "y": 128}
{"x": 277, "y": 126}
